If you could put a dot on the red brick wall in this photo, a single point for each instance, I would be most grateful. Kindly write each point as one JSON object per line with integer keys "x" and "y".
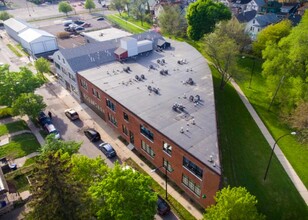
{"x": 210, "y": 181}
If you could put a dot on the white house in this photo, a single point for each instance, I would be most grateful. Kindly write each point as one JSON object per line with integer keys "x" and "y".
{"x": 37, "y": 41}
{"x": 254, "y": 26}
{"x": 14, "y": 27}
{"x": 247, "y": 5}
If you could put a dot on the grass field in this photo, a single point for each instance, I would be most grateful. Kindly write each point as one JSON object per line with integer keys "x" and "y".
{"x": 13, "y": 127}
{"x": 124, "y": 25}
{"x": 296, "y": 153}
{"x": 245, "y": 154}
{"x": 19, "y": 146}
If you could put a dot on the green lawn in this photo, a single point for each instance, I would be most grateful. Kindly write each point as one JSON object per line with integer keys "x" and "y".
{"x": 296, "y": 153}
{"x": 13, "y": 127}
{"x": 245, "y": 154}
{"x": 14, "y": 50}
{"x": 124, "y": 25}
{"x": 19, "y": 146}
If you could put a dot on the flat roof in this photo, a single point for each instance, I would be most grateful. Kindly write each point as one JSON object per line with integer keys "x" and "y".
{"x": 106, "y": 34}
{"x": 199, "y": 139}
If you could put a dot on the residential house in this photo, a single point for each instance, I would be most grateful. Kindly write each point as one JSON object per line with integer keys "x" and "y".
{"x": 254, "y": 26}
{"x": 247, "y": 5}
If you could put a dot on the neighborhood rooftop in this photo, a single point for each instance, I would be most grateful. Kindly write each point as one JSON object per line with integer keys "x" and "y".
{"x": 175, "y": 96}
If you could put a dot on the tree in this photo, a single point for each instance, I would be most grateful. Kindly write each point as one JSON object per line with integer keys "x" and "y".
{"x": 55, "y": 194}
{"x": 138, "y": 9}
{"x": 89, "y": 5}
{"x": 28, "y": 104}
{"x": 299, "y": 121}
{"x": 4, "y": 3}
{"x": 202, "y": 16}
{"x": 222, "y": 51}
{"x": 124, "y": 194}
{"x": 234, "y": 203}
{"x": 4, "y": 15}
{"x": 54, "y": 145}
{"x": 234, "y": 30}
{"x": 42, "y": 66}
{"x": 13, "y": 84}
{"x": 271, "y": 34}
{"x": 171, "y": 21}
{"x": 118, "y": 5}
{"x": 65, "y": 7}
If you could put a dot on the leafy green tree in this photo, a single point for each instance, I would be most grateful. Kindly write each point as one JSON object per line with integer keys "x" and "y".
{"x": 118, "y": 5}
{"x": 13, "y": 84}
{"x": 202, "y": 17}
{"x": 171, "y": 21}
{"x": 89, "y": 5}
{"x": 4, "y": 15}
{"x": 271, "y": 34}
{"x": 28, "y": 104}
{"x": 124, "y": 194}
{"x": 234, "y": 30}
{"x": 138, "y": 9}
{"x": 42, "y": 66}
{"x": 65, "y": 7}
{"x": 54, "y": 145}
{"x": 223, "y": 55}
{"x": 234, "y": 203}
{"x": 55, "y": 194}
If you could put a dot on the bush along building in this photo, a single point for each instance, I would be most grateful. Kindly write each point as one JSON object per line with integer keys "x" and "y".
{"x": 158, "y": 96}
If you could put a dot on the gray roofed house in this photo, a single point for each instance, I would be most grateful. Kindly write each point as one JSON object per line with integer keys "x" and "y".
{"x": 247, "y": 5}
{"x": 246, "y": 16}
{"x": 254, "y": 26}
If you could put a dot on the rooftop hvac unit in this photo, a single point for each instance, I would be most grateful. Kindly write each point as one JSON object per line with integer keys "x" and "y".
{"x": 142, "y": 77}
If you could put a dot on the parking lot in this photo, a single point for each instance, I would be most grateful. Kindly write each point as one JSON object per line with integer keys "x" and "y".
{"x": 56, "y": 26}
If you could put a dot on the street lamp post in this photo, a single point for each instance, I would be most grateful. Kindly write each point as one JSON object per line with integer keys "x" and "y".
{"x": 269, "y": 162}
{"x": 166, "y": 177}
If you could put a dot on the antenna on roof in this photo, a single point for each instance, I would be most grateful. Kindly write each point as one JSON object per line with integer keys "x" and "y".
{"x": 182, "y": 130}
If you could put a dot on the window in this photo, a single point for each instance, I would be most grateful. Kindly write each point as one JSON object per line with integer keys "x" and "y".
{"x": 71, "y": 76}
{"x": 57, "y": 65}
{"x": 110, "y": 105}
{"x": 167, "y": 165}
{"x": 64, "y": 71}
{"x": 58, "y": 57}
{"x": 124, "y": 129}
{"x": 192, "y": 167}
{"x": 167, "y": 148}
{"x": 73, "y": 89}
{"x": 96, "y": 93}
{"x": 63, "y": 60}
{"x": 113, "y": 120}
{"x": 254, "y": 21}
{"x": 125, "y": 116}
{"x": 146, "y": 132}
{"x": 191, "y": 185}
{"x": 84, "y": 84}
{"x": 147, "y": 149}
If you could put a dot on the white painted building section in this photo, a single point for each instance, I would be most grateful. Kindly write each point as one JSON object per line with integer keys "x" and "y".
{"x": 130, "y": 44}
{"x": 14, "y": 27}
{"x": 37, "y": 41}
{"x": 144, "y": 46}
{"x": 105, "y": 35}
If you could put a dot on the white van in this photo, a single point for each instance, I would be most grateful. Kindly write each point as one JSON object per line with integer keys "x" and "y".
{"x": 66, "y": 23}
{"x": 52, "y": 130}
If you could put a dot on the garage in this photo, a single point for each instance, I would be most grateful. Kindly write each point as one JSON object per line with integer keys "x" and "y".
{"x": 14, "y": 27}
{"x": 36, "y": 41}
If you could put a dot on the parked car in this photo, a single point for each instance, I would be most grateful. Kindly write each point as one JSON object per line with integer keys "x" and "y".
{"x": 50, "y": 128}
{"x": 79, "y": 22}
{"x": 107, "y": 149}
{"x": 92, "y": 134}
{"x": 71, "y": 114}
{"x": 67, "y": 23}
{"x": 163, "y": 207}
{"x": 79, "y": 28}
{"x": 43, "y": 119}
{"x": 101, "y": 19}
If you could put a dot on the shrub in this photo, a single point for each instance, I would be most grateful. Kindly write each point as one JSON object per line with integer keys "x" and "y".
{"x": 6, "y": 112}
{"x": 63, "y": 35}
{"x": 4, "y": 16}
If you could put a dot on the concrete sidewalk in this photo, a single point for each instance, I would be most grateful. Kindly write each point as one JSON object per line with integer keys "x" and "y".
{"x": 109, "y": 135}
{"x": 271, "y": 141}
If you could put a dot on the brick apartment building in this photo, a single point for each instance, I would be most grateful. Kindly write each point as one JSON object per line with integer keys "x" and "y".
{"x": 162, "y": 103}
